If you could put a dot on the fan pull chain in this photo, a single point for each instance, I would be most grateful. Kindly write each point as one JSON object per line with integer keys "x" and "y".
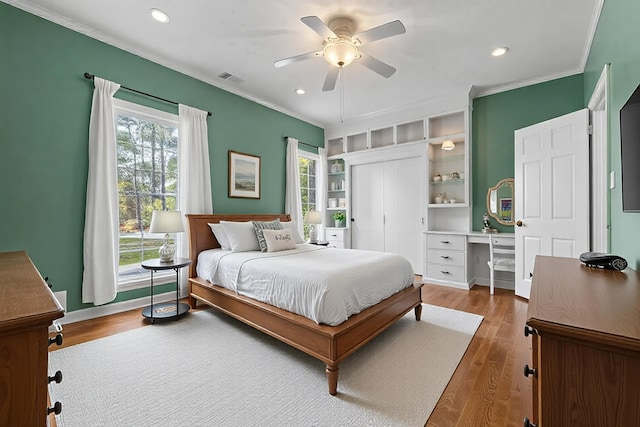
{"x": 341, "y": 78}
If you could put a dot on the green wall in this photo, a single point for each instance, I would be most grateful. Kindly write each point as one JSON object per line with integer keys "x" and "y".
{"x": 617, "y": 42}
{"x": 496, "y": 117}
{"x": 45, "y": 108}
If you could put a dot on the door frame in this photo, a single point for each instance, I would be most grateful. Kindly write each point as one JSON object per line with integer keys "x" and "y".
{"x": 599, "y": 153}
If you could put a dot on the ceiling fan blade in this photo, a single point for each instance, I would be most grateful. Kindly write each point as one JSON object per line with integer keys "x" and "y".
{"x": 286, "y": 61}
{"x": 385, "y": 70}
{"x": 330, "y": 80}
{"x": 318, "y": 26}
{"x": 383, "y": 31}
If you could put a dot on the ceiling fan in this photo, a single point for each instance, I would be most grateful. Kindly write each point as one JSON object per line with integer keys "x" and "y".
{"x": 341, "y": 46}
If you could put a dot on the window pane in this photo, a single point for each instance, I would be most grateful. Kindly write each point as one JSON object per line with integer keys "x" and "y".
{"x": 147, "y": 181}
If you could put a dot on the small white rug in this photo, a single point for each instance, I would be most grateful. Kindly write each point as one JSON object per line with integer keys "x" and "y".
{"x": 210, "y": 370}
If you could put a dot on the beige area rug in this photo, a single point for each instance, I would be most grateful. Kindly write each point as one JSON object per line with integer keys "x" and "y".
{"x": 210, "y": 370}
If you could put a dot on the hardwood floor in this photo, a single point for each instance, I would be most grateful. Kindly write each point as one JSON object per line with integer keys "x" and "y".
{"x": 488, "y": 387}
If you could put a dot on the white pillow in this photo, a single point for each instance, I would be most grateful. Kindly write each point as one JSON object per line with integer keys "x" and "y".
{"x": 279, "y": 240}
{"x": 294, "y": 230}
{"x": 242, "y": 236}
{"x": 221, "y": 236}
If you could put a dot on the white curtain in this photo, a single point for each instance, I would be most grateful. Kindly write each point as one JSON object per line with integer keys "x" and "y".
{"x": 194, "y": 174}
{"x": 293, "y": 199}
{"x": 100, "y": 254}
{"x": 321, "y": 171}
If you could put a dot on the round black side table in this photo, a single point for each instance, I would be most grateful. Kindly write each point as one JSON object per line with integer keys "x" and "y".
{"x": 166, "y": 310}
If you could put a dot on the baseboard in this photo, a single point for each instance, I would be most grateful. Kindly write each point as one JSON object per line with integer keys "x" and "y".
{"x": 502, "y": 284}
{"x": 117, "y": 307}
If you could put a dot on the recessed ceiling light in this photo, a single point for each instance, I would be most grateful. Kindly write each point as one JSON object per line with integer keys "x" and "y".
{"x": 499, "y": 51}
{"x": 159, "y": 15}
{"x": 301, "y": 91}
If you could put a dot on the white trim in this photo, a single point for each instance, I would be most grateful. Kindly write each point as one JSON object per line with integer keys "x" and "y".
{"x": 118, "y": 307}
{"x": 599, "y": 111}
{"x": 142, "y": 112}
{"x": 597, "y": 11}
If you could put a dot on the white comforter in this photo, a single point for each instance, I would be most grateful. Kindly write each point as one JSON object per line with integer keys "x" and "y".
{"x": 326, "y": 285}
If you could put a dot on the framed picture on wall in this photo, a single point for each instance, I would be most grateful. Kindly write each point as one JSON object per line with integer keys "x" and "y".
{"x": 244, "y": 175}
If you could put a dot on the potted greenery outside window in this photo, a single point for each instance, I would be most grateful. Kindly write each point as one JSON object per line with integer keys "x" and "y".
{"x": 339, "y": 218}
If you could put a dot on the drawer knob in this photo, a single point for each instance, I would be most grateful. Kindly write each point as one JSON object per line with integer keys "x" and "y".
{"x": 444, "y": 272}
{"x": 444, "y": 242}
{"x": 56, "y": 340}
{"x": 529, "y": 371}
{"x": 528, "y": 330}
{"x": 57, "y": 408}
{"x": 444, "y": 256}
{"x": 57, "y": 377}
{"x": 528, "y": 423}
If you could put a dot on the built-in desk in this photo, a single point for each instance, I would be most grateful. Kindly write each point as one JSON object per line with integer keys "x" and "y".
{"x": 459, "y": 259}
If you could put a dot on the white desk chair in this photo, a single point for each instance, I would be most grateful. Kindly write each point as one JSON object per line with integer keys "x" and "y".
{"x": 502, "y": 256}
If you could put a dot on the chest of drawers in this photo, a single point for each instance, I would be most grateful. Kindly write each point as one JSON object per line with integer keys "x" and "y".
{"x": 585, "y": 360}
{"x": 447, "y": 259}
{"x": 27, "y": 309}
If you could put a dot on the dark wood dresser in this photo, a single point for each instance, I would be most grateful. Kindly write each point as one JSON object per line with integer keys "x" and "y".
{"x": 27, "y": 309}
{"x": 585, "y": 326}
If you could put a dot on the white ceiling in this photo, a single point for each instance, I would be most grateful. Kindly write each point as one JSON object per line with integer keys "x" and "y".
{"x": 446, "y": 48}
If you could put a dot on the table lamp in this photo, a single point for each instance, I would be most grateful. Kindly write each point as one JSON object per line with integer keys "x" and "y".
{"x": 313, "y": 218}
{"x": 166, "y": 222}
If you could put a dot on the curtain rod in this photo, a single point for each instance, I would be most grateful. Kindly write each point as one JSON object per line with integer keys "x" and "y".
{"x": 91, "y": 76}
{"x": 300, "y": 142}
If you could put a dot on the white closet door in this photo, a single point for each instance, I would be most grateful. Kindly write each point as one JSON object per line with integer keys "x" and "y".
{"x": 367, "y": 207}
{"x": 403, "y": 209}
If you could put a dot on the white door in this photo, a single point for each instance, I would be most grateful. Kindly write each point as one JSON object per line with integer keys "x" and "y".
{"x": 551, "y": 192}
{"x": 404, "y": 209}
{"x": 367, "y": 206}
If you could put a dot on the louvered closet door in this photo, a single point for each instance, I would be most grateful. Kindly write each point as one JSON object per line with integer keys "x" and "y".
{"x": 367, "y": 206}
{"x": 403, "y": 210}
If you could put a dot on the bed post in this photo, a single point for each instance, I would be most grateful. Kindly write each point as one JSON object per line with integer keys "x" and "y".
{"x": 332, "y": 378}
{"x": 418, "y": 311}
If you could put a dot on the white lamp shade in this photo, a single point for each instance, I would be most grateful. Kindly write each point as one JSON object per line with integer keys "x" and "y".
{"x": 166, "y": 222}
{"x": 313, "y": 217}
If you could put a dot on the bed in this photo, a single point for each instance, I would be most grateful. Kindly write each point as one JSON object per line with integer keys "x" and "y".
{"x": 330, "y": 344}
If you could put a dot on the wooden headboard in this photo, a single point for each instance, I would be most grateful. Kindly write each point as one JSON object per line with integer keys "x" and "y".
{"x": 201, "y": 237}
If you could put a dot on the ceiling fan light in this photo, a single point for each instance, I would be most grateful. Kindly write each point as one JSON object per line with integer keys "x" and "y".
{"x": 448, "y": 145}
{"x": 340, "y": 53}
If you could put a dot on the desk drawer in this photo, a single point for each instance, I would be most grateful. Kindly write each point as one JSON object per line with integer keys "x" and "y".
{"x": 453, "y": 273}
{"x": 446, "y": 241}
{"x": 443, "y": 256}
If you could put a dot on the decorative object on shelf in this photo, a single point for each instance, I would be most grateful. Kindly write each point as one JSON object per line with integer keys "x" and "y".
{"x": 438, "y": 199}
{"x": 342, "y": 202}
{"x": 336, "y": 167}
{"x": 437, "y": 177}
{"x": 332, "y": 203}
{"x": 455, "y": 175}
{"x": 244, "y": 175}
{"x": 166, "y": 222}
{"x": 339, "y": 218}
{"x": 445, "y": 198}
{"x": 313, "y": 218}
{"x": 446, "y": 177}
{"x": 333, "y": 186}
{"x": 453, "y": 201}
{"x": 448, "y": 145}
{"x": 487, "y": 225}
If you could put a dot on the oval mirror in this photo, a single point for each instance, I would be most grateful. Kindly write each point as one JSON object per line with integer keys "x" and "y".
{"x": 500, "y": 202}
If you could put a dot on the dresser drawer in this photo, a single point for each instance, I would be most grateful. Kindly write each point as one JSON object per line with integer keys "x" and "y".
{"x": 453, "y": 273}
{"x": 336, "y": 244}
{"x": 335, "y": 234}
{"x": 447, "y": 257}
{"x": 446, "y": 241}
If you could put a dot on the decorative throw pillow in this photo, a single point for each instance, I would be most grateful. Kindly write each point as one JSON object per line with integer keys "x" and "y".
{"x": 260, "y": 226}
{"x": 242, "y": 236}
{"x": 294, "y": 230}
{"x": 221, "y": 236}
{"x": 279, "y": 240}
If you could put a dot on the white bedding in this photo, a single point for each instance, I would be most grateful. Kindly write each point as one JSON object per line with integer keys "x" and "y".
{"x": 326, "y": 285}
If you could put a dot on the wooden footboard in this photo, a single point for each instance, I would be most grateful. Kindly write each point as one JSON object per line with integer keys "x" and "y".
{"x": 330, "y": 344}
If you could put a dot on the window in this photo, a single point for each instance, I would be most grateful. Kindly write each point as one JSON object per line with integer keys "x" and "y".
{"x": 307, "y": 164}
{"x": 147, "y": 150}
